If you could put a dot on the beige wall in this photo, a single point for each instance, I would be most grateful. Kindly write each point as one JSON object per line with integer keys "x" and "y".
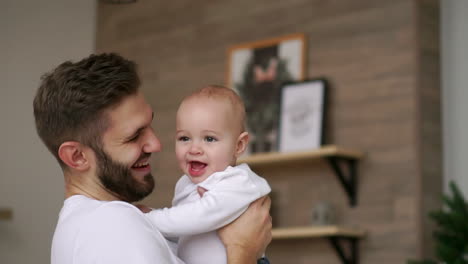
{"x": 36, "y": 35}
{"x": 454, "y": 38}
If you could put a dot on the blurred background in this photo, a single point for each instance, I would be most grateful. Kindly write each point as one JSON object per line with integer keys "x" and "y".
{"x": 397, "y": 72}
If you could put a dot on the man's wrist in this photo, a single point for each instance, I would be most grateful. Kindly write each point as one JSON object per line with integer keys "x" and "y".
{"x": 240, "y": 255}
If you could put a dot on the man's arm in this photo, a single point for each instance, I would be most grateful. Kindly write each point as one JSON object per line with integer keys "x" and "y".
{"x": 248, "y": 236}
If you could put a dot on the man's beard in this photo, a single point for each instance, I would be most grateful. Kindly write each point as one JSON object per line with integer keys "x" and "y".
{"x": 118, "y": 179}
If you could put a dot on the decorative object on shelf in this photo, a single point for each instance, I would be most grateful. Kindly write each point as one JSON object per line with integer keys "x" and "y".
{"x": 302, "y": 115}
{"x": 6, "y": 214}
{"x": 451, "y": 235}
{"x": 257, "y": 71}
{"x": 323, "y": 214}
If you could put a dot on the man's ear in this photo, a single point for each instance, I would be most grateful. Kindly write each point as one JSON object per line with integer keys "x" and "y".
{"x": 242, "y": 142}
{"x": 73, "y": 155}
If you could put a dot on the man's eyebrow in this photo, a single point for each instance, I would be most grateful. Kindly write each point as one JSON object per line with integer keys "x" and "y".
{"x": 133, "y": 135}
{"x": 138, "y": 131}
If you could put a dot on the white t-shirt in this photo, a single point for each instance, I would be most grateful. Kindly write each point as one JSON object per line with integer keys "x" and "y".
{"x": 194, "y": 219}
{"x": 101, "y": 232}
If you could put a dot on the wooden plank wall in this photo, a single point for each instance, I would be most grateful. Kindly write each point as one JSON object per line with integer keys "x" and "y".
{"x": 375, "y": 53}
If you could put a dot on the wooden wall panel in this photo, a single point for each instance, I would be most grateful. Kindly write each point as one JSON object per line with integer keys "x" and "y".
{"x": 378, "y": 56}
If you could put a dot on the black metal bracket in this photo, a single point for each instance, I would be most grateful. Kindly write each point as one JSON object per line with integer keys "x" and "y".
{"x": 348, "y": 180}
{"x": 353, "y": 256}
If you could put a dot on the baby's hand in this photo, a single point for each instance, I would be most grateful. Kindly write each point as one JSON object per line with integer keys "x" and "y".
{"x": 201, "y": 191}
{"x": 143, "y": 208}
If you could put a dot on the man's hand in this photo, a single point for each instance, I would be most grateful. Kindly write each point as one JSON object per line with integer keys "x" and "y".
{"x": 248, "y": 236}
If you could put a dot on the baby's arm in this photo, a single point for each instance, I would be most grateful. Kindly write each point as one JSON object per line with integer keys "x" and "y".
{"x": 220, "y": 205}
{"x": 209, "y": 213}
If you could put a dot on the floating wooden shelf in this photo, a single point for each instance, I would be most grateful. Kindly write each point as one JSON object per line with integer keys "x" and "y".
{"x": 279, "y": 157}
{"x": 6, "y": 214}
{"x": 316, "y": 231}
{"x": 337, "y": 158}
{"x": 344, "y": 164}
{"x": 337, "y": 235}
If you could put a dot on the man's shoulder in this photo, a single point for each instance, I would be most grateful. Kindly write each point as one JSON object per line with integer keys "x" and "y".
{"x": 97, "y": 216}
{"x": 119, "y": 208}
{"x": 121, "y": 225}
{"x": 91, "y": 230}
{"x": 117, "y": 214}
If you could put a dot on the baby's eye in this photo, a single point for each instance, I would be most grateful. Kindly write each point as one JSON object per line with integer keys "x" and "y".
{"x": 210, "y": 139}
{"x": 183, "y": 138}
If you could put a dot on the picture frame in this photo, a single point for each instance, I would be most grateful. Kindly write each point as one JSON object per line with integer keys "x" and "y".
{"x": 302, "y": 115}
{"x": 257, "y": 70}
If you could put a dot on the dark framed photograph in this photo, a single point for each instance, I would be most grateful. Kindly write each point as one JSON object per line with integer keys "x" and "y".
{"x": 257, "y": 70}
{"x": 302, "y": 115}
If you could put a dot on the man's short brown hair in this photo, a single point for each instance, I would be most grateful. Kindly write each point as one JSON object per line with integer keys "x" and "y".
{"x": 71, "y": 101}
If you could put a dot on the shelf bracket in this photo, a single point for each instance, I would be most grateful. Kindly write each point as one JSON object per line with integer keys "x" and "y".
{"x": 348, "y": 180}
{"x": 353, "y": 256}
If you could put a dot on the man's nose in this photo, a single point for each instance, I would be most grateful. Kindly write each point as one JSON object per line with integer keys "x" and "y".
{"x": 152, "y": 143}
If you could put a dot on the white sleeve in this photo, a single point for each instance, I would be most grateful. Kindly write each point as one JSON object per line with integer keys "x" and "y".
{"x": 120, "y": 234}
{"x": 228, "y": 196}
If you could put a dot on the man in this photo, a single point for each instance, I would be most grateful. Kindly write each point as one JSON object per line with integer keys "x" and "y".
{"x": 95, "y": 121}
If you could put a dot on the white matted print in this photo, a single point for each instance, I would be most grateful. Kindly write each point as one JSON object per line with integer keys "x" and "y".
{"x": 302, "y": 115}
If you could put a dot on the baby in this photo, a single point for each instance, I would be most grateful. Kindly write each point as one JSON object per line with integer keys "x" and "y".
{"x": 213, "y": 191}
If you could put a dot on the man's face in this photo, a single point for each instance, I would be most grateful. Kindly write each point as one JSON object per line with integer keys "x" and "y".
{"x": 123, "y": 162}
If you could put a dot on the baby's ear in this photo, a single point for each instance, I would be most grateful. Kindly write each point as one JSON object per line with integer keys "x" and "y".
{"x": 242, "y": 142}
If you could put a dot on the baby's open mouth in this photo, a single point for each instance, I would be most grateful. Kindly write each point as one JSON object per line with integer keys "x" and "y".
{"x": 196, "y": 168}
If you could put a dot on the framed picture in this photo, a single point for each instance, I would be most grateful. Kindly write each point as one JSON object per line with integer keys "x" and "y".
{"x": 257, "y": 70}
{"x": 302, "y": 115}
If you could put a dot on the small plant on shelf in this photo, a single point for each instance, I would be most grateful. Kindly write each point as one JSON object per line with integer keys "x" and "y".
{"x": 451, "y": 235}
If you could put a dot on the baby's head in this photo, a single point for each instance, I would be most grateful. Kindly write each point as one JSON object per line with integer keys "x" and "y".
{"x": 210, "y": 132}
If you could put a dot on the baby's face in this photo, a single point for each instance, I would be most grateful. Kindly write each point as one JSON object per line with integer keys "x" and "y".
{"x": 207, "y": 137}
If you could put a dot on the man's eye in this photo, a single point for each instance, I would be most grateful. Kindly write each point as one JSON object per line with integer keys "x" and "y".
{"x": 210, "y": 139}
{"x": 134, "y": 138}
{"x": 184, "y": 138}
